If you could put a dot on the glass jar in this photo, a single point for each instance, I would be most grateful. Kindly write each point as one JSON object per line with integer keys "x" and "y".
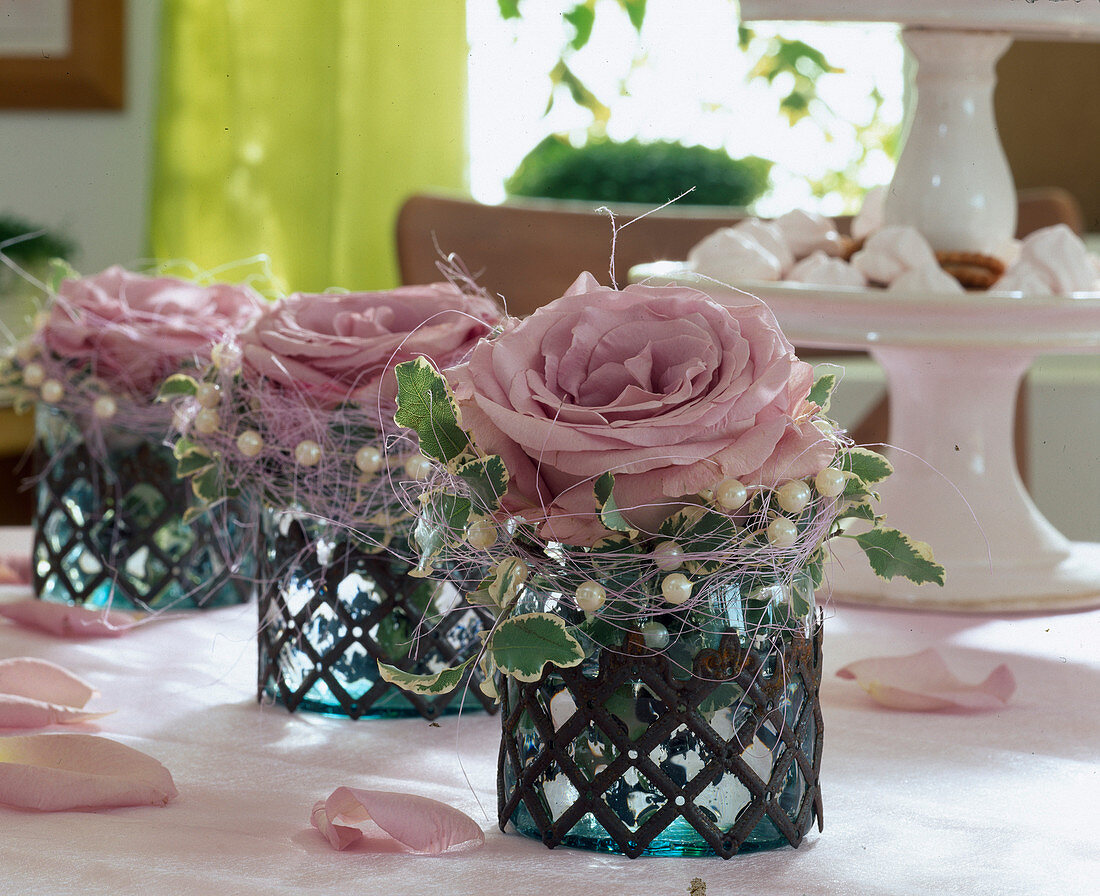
{"x": 331, "y": 608}
{"x": 111, "y": 525}
{"x": 710, "y": 747}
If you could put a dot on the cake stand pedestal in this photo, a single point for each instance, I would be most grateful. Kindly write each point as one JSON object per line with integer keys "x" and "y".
{"x": 954, "y": 366}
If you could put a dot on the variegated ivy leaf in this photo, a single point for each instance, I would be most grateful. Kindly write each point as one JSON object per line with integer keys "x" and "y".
{"x": 177, "y": 385}
{"x": 193, "y": 463}
{"x": 425, "y": 403}
{"x": 699, "y": 530}
{"x": 499, "y": 588}
{"x": 892, "y": 553}
{"x": 859, "y": 510}
{"x": 487, "y": 478}
{"x": 522, "y": 645}
{"x": 442, "y": 520}
{"x": 209, "y": 486}
{"x": 609, "y": 510}
{"x": 867, "y": 467}
{"x": 426, "y": 685}
{"x": 821, "y": 393}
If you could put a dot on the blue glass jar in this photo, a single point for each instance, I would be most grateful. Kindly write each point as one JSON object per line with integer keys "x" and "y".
{"x": 112, "y": 524}
{"x": 710, "y": 748}
{"x": 332, "y": 607}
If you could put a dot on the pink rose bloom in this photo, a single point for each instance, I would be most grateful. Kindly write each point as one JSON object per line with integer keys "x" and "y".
{"x": 665, "y": 388}
{"x": 338, "y": 347}
{"x": 133, "y": 331}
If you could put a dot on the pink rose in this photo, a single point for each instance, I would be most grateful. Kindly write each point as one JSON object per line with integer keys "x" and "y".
{"x": 663, "y": 387}
{"x": 336, "y": 347}
{"x": 133, "y": 331}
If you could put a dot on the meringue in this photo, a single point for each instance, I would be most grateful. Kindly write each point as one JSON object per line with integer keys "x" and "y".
{"x": 768, "y": 235}
{"x": 891, "y": 252}
{"x": 806, "y": 233}
{"x": 1053, "y": 261}
{"x": 821, "y": 270}
{"x": 872, "y": 215}
{"x": 926, "y": 280}
{"x": 729, "y": 255}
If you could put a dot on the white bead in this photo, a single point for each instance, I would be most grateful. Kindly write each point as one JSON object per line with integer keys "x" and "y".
{"x": 250, "y": 443}
{"x": 25, "y": 350}
{"x": 307, "y": 453}
{"x": 591, "y": 596}
{"x": 207, "y": 421}
{"x": 782, "y": 532}
{"x": 52, "y": 391}
{"x": 830, "y": 482}
{"x": 208, "y": 395}
{"x": 368, "y": 459}
{"x": 226, "y": 356}
{"x": 418, "y": 467}
{"x": 519, "y": 569}
{"x": 731, "y": 494}
{"x": 105, "y": 407}
{"x": 793, "y": 496}
{"x": 676, "y": 588}
{"x": 34, "y": 375}
{"x": 481, "y": 534}
{"x": 668, "y": 555}
{"x": 655, "y": 635}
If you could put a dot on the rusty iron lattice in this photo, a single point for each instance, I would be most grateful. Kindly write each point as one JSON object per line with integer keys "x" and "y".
{"x": 104, "y": 512}
{"x": 763, "y": 677}
{"x": 283, "y": 630}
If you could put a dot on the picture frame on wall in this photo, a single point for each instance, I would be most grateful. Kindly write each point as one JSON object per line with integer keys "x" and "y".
{"x": 62, "y": 54}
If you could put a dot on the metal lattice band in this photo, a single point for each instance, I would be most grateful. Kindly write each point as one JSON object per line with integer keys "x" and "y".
{"x": 111, "y": 531}
{"x": 330, "y": 610}
{"x": 630, "y": 758}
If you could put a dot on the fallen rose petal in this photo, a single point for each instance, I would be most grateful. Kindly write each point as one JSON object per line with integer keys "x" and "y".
{"x": 15, "y": 570}
{"x": 67, "y": 621}
{"x": 39, "y": 679}
{"x": 56, "y": 772}
{"x": 422, "y": 825}
{"x": 26, "y": 712}
{"x": 922, "y": 682}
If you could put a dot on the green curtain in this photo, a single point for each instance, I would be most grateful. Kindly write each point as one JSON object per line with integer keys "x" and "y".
{"x": 295, "y": 129}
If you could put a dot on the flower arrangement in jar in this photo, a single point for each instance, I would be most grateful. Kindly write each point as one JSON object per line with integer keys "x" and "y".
{"x": 640, "y": 485}
{"x": 113, "y": 523}
{"x": 295, "y": 416}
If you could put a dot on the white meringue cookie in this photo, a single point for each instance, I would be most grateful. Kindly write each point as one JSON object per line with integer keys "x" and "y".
{"x": 891, "y": 251}
{"x": 872, "y": 215}
{"x": 925, "y": 280}
{"x": 822, "y": 270}
{"x": 1022, "y": 280}
{"x": 806, "y": 233}
{"x": 1057, "y": 257}
{"x": 730, "y": 256}
{"x": 768, "y": 235}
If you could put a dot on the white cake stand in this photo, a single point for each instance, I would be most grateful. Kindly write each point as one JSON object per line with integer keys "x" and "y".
{"x": 954, "y": 365}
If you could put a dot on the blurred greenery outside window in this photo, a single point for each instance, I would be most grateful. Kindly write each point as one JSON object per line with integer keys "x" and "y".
{"x": 823, "y": 102}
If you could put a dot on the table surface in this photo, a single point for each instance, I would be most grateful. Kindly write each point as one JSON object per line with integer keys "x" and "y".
{"x": 1004, "y": 802}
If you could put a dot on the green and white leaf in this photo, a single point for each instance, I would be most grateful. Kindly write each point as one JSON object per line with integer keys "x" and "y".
{"x": 867, "y": 466}
{"x": 487, "y": 478}
{"x": 502, "y": 584}
{"x": 821, "y": 393}
{"x": 426, "y": 404}
{"x": 193, "y": 463}
{"x": 892, "y": 553}
{"x": 177, "y": 385}
{"x": 522, "y": 645}
{"x": 426, "y": 685}
{"x": 858, "y": 510}
{"x": 609, "y": 510}
{"x": 442, "y": 522}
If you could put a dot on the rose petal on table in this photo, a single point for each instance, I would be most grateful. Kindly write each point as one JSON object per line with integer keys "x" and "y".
{"x": 923, "y": 682}
{"x": 57, "y": 772}
{"x": 67, "y": 621}
{"x": 15, "y": 570}
{"x": 27, "y": 712}
{"x": 28, "y": 676}
{"x": 422, "y": 825}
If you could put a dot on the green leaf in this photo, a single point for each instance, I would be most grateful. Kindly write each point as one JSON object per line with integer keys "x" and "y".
{"x": 581, "y": 17}
{"x": 868, "y": 465}
{"x": 635, "y": 10}
{"x": 860, "y": 510}
{"x": 193, "y": 463}
{"x": 509, "y": 9}
{"x": 442, "y": 521}
{"x": 209, "y": 487}
{"x": 176, "y": 385}
{"x": 487, "y": 478}
{"x": 438, "y": 683}
{"x": 892, "y": 553}
{"x": 522, "y": 645}
{"x": 822, "y": 392}
{"x": 425, "y": 404}
{"x": 502, "y": 583}
{"x": 605, "y": 503}
{"x": 60, "y": 270}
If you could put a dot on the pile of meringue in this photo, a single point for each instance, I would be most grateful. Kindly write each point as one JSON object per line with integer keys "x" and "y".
{"x": 802, "y": 247}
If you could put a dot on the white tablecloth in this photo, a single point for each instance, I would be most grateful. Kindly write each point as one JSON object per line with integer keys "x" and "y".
{"x": 1000, "y": 803}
